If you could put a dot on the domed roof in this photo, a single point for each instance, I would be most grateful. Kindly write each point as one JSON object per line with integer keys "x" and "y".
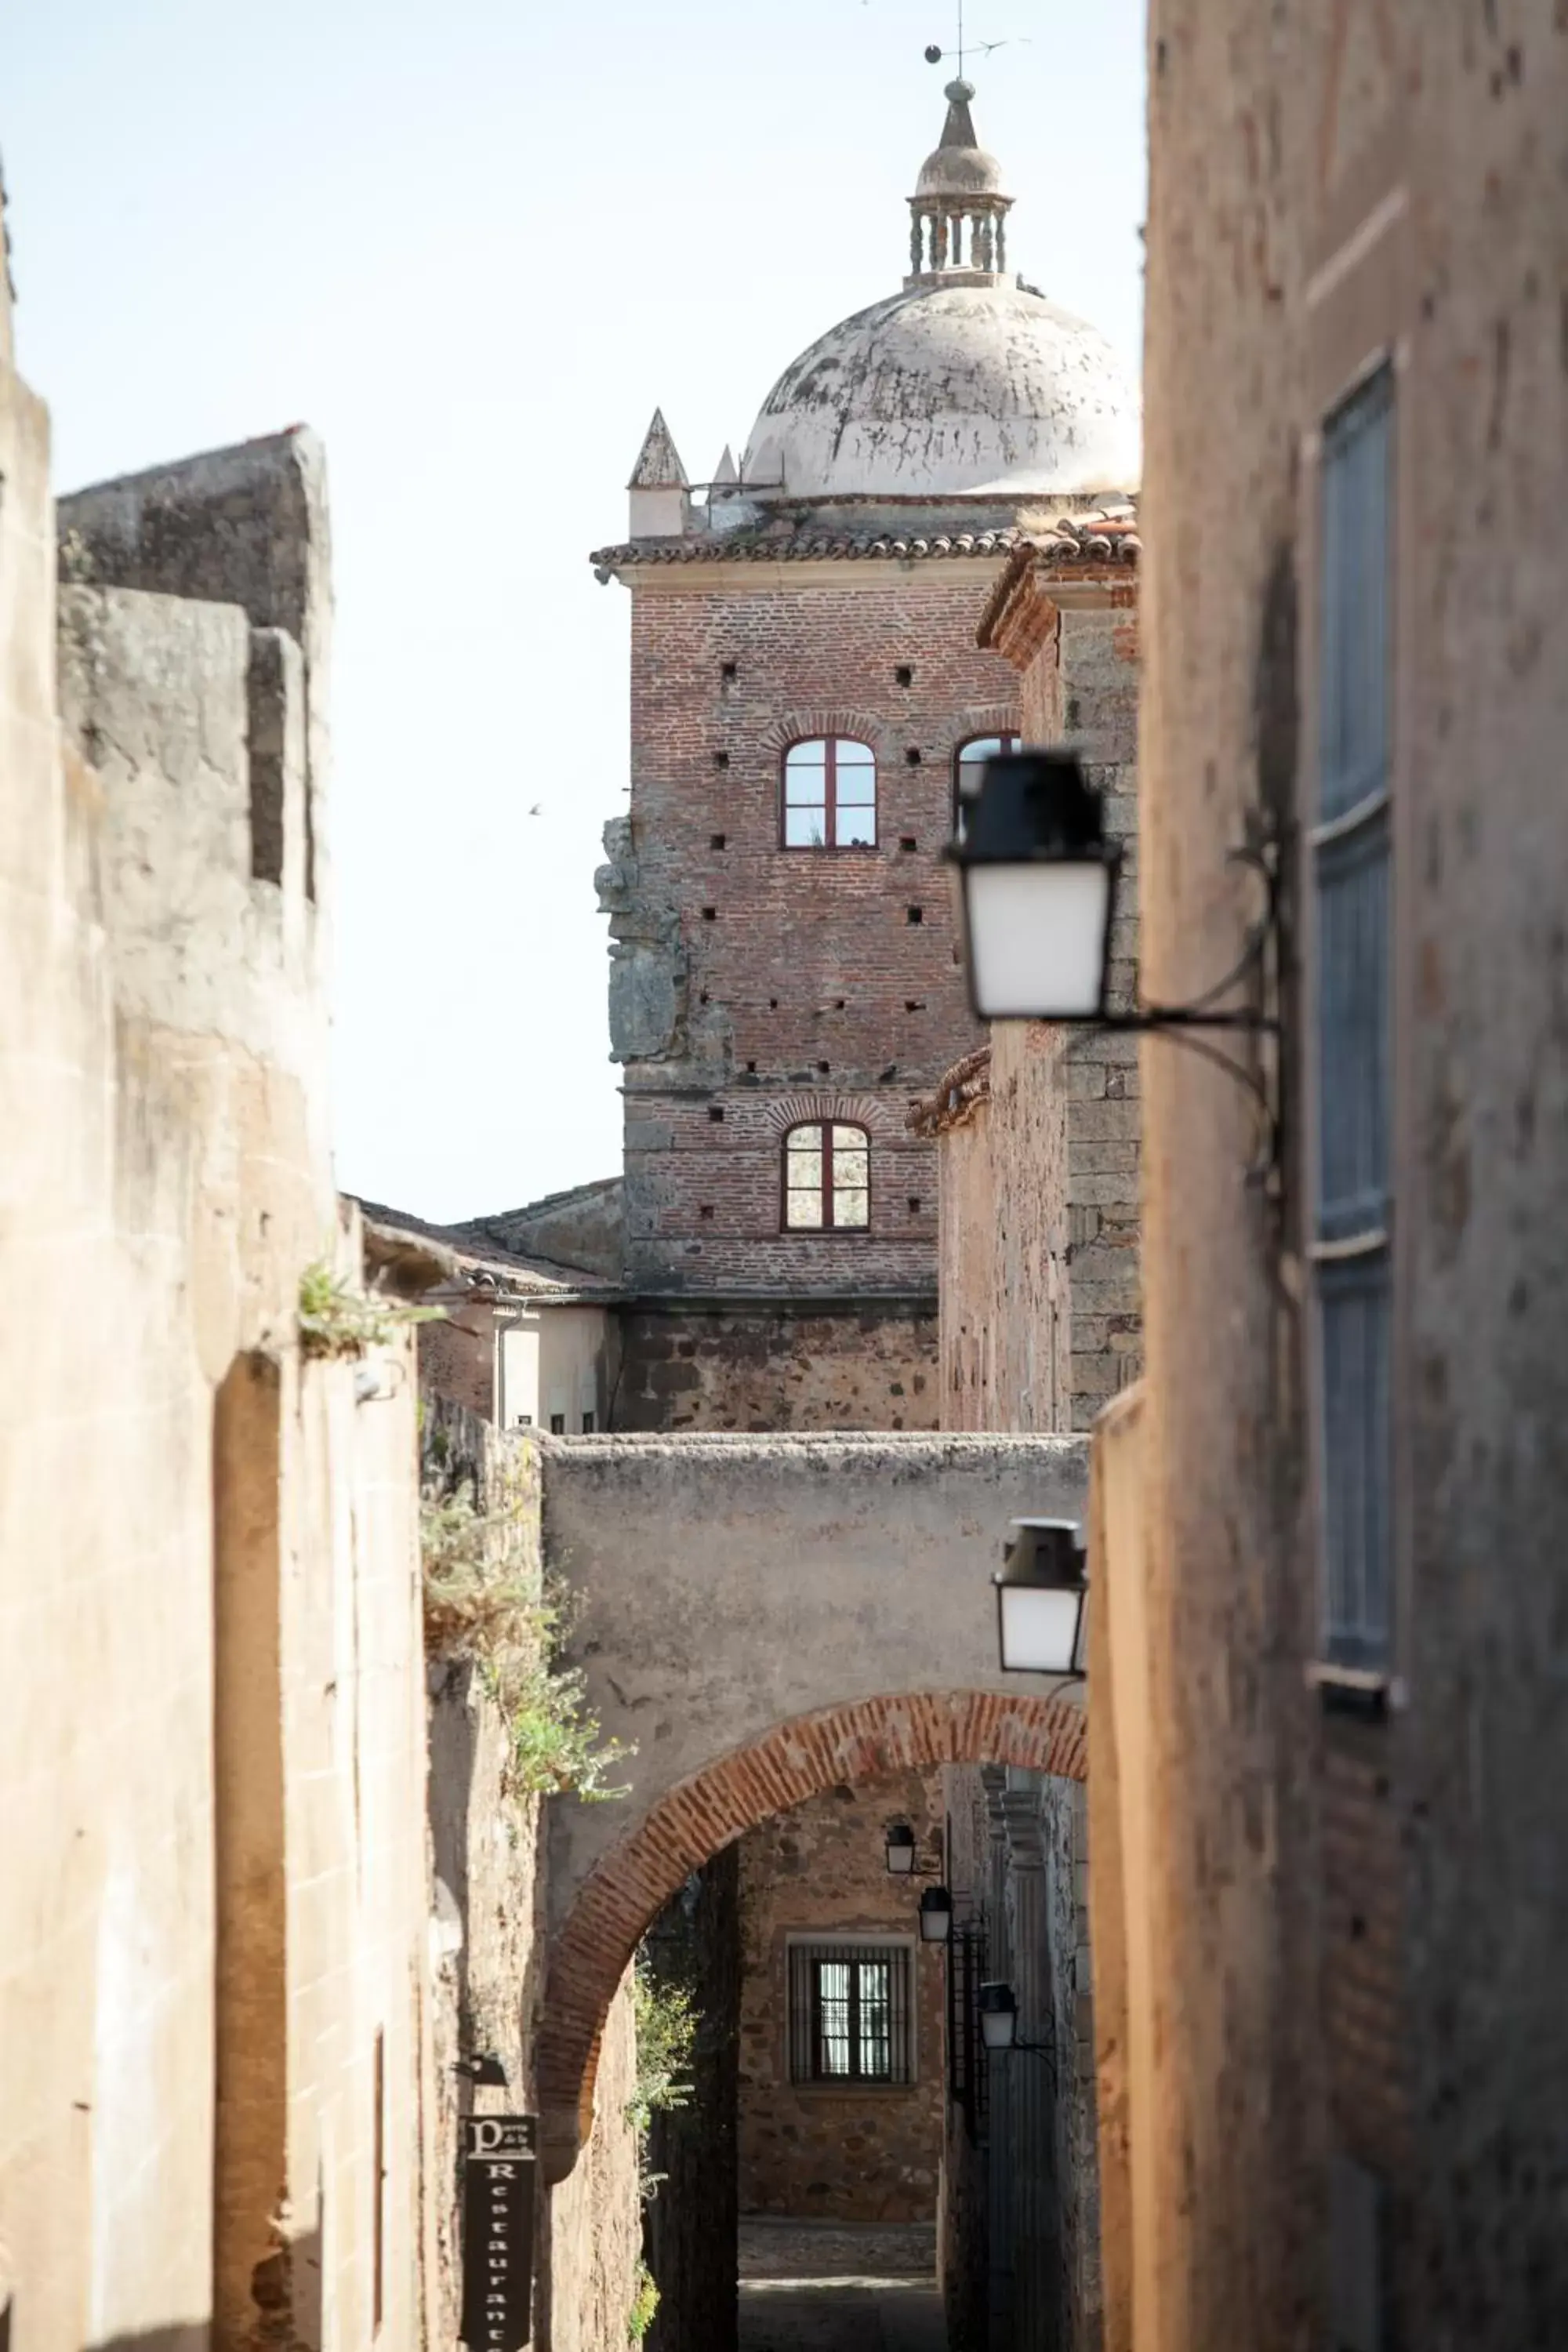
{"x": 949, "y": 389}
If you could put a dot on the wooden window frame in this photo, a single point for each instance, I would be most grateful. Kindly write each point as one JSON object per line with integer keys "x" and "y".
{"x": 1362, "y": 1662}
{"x": 823, "y": 1129}
{"x": 805, "y": 1955}
{"x": 830, "y": 796}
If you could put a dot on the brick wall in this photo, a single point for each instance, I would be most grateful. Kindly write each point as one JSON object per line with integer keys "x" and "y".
{"x": 812, "y": 1365}
{"x": 808, "y": 991}
{"x": 829, "y": 2153}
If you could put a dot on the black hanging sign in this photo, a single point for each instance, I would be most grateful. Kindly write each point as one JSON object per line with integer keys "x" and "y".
{"x": 498, "y": 2232}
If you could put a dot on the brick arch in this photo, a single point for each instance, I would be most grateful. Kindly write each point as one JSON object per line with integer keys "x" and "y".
{"x": 801, "y": 1108}
{"x": 978, "y": 719}
{"x": 795, "y": 1760}
{"x": 819, "y": 719}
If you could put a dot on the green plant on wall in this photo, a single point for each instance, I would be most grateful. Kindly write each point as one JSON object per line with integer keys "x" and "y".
{"x": 485, "y": 1599}
{"x": 645, "y": 2304}
{"x": 337, "y": 1318}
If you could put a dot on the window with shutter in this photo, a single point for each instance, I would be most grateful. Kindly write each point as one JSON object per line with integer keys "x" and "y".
{"x": 1351, "y": 1001}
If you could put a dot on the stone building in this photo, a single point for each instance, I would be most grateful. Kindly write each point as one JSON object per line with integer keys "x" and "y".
{"x": 1328, "y": 1739}
{"x": 827, "y": 642}
{"x": 1037, "y": 1143}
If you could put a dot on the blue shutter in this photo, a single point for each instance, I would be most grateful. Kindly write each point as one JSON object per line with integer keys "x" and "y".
{"x": 1352, "y": 975}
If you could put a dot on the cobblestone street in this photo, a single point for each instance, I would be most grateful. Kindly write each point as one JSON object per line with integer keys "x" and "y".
{"x": 819, "y": 2287}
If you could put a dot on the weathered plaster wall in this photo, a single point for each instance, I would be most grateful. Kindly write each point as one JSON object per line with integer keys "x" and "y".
{"x": 761, "y": 1367}
{"x": 198, "y": 1526}
{"x": 820, "y": 2150}
{"x": 1327, "y": 186}
{"x": 732, "y": 1584}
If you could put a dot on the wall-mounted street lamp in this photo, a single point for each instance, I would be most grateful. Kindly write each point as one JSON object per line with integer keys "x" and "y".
{"x": 903, "y": 1854}
{"x": 936, "y": 1916}
{"x": 999, "y": 2025}
{"x": 1041, "y": 1597}
{"x": 1038, "y": 888}
{"x": 900, "y": 1849}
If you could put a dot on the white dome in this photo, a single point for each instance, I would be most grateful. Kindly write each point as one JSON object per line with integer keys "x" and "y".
{"x": 944, "y": 389}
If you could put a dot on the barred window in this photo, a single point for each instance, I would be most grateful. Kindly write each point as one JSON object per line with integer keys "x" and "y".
{"x": 826, "y": 1177}
{"x": 829, "y": 794}
{"x": 849, "y": 2013}
{"x": 1351, "y": 990}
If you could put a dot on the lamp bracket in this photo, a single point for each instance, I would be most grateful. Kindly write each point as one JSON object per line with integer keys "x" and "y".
{"x": 1258, "y": 961}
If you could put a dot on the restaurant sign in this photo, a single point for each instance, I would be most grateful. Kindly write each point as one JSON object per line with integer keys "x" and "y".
{"x": 498, "y": 2232}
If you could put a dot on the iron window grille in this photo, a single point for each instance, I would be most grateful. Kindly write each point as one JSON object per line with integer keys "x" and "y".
{"x": 1350, "y": 854}
{"x": 827, "y": 1178}
{"x": 830, "y": 795}
{"x": 850, "y": 2014}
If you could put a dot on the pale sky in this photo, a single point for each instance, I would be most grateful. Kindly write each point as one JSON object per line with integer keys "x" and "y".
{"x": 473, "y": 243}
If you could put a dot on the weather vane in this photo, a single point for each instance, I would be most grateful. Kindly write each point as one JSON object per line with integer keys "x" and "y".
{"x": 935, "y": 52}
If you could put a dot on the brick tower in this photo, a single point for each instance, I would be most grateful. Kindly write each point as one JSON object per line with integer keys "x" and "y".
{"x": 807, "y": 697}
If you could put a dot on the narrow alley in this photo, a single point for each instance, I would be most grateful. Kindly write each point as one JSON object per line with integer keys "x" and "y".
{"x": 822, "y": 2286}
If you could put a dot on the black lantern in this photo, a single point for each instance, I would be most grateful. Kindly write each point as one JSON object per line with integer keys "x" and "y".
{"x": 998, "y": 2016}
{"x": 936, "y": 1916}
{"x": 900, "y": 1849}
{"x": 1037, "y": 879}
{"x": 1040, "y": 1597}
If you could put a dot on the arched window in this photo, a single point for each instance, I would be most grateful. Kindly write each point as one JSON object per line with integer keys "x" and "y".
{"x": 969, "y": 769}
{"x": 829, "y": 794}
{"x": 826, "y": 1177}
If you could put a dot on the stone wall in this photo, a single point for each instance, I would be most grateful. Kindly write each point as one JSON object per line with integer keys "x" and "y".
{"x": 807, "y": 1364}
{"x": 816, "y": 2150}
{"x": 213, "y": 1914}
{"x": 489, "y": 1850}
{"x": 1358, "y": 1924}
{"x": 690, "y": 2233}
{"x": 752, "y": 986}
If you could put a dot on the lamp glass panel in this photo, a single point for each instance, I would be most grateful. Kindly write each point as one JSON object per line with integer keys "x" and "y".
{"x": 998, "y": 2028}
{"x": 1039, "y": 1629}
{"x": 1037, "y": 937}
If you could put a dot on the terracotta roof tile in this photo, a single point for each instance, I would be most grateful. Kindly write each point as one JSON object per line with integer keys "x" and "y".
{"x": 1091, "y": 538}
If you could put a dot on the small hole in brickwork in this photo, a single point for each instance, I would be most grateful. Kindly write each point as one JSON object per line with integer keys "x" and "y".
{"x": 908, "y": 841}
{"x": 772, "y": 1004}
{"x": 914, "y": 914}
{"x": 720, "y": 759}
{"x": 839, "y": 1002}
{"x": 912, "y": 757}
{"x": 1358, "y": 1928}
{"x": 914, "y": 1204}
{"x": 703, "y": 998}
{"x": 706, "y": 1210}
{"x": 727, "y": 669}
{"x": 710, "y": 914}
{"x": 914, "y": 1004}
{"x": 903, "y": 675}
{"x": 823, "y": 1069}
{"x": 751, "y": 1068}
{"x": 716, "y": 1113}
{"x": 716, "y": 841}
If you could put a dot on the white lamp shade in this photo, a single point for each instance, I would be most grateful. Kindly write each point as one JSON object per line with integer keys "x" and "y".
{"x": 998, "y": 2016}
{"x": 1037, "y": 934}
{"x": 936, "y": 1915}
{"x": 901, "y": 1851}
{"x": 1041, "y": 1628}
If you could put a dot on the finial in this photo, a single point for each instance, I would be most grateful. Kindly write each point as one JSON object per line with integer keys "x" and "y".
{"x": 959, "y": 92}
